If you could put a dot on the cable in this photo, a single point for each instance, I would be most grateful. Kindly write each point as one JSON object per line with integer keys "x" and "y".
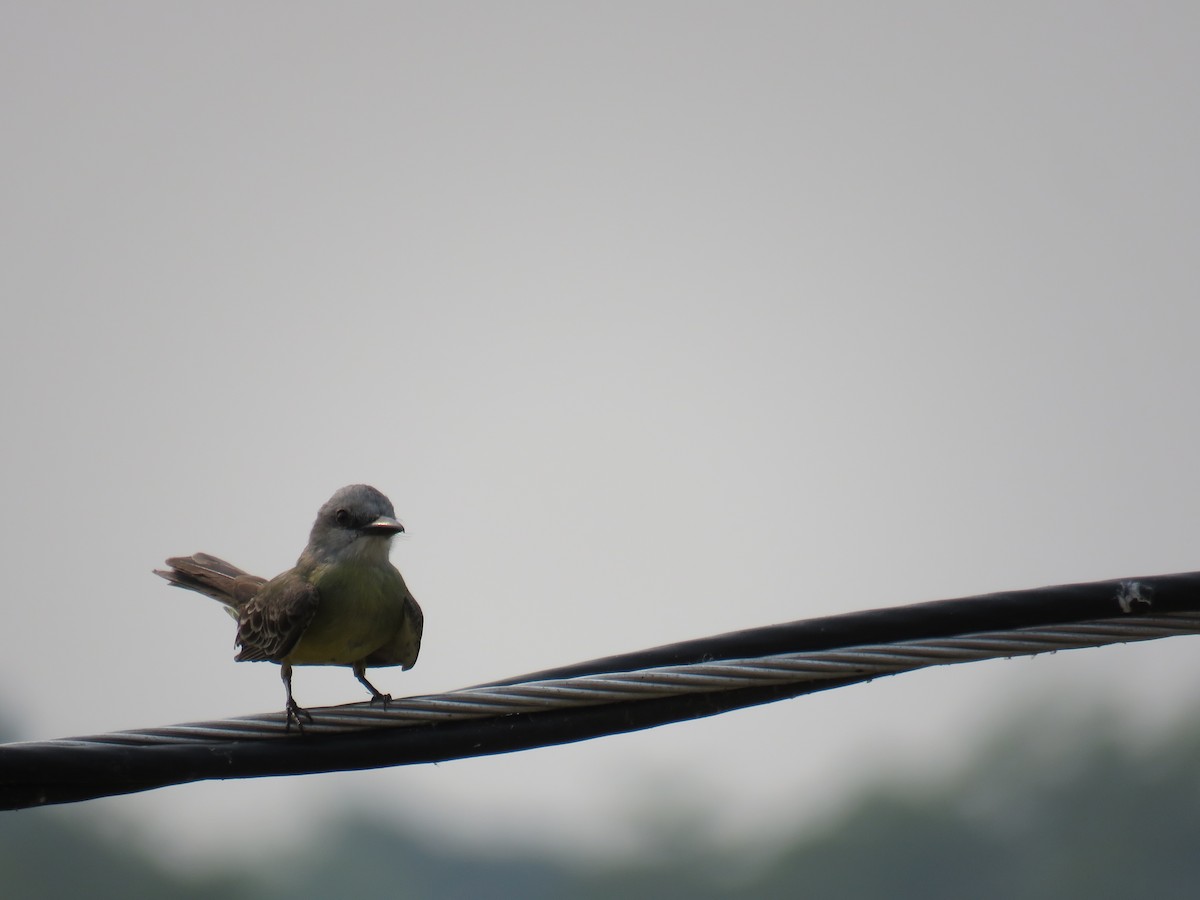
{"x": 613, "y": 695}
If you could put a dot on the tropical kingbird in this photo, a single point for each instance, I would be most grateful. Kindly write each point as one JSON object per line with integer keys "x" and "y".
{"x": 344, "y": 603}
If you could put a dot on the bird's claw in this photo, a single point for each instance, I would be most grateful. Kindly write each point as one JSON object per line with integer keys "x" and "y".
{"x": 294, "y": 714}
{"x": 380, "y": 697}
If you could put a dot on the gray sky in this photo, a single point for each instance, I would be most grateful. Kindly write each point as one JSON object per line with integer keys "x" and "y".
{"x": 654, "y": 320}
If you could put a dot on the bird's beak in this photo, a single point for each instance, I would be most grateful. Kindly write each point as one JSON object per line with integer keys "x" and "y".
{"x": 385, "y": 525}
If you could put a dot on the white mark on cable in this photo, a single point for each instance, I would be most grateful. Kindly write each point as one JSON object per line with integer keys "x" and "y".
{"x": 1132, "y": 592}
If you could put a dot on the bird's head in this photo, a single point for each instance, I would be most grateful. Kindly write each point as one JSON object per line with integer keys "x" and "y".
{"x": 357, "y": 522}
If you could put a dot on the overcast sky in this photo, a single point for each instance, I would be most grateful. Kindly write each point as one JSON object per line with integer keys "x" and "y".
{"x": 654, "y": 320}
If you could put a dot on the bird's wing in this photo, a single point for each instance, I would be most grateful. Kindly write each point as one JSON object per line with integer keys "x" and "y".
{"x": 273, "y": 620}
{"x": 403, "y": 649}
{"x": 418, "y": 628}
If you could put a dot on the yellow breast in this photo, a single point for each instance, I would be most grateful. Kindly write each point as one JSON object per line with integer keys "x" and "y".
{"x": 361, "y": 609}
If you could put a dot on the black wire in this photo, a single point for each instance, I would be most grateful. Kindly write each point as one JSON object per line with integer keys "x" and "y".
{"x": 1056, "y": 605}
{"x": 53, "y": 772}
{"x": 33, "y": 774}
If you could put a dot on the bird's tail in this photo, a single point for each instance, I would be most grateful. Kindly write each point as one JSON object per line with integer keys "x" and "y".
{"x": 214, "y": 578}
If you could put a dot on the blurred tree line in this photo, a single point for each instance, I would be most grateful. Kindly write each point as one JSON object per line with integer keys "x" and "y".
{"x": 1048, "y": 810}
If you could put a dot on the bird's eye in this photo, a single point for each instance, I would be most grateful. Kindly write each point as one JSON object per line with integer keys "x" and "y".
{"x": 342, "y": 516}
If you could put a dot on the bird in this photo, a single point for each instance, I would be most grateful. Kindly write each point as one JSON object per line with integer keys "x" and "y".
{"x": 342, "y": 604}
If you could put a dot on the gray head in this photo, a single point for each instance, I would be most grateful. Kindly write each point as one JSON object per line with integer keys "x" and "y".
{"x": 357, "y": 521}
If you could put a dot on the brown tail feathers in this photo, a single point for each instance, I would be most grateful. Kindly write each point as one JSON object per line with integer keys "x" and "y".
{"x": 212, "y": 577}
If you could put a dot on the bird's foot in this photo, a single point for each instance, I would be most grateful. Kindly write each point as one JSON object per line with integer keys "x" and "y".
{"x": 296, "y": 713}
{"x": 377, "y": 696}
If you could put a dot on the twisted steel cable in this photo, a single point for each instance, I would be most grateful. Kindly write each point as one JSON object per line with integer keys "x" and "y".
{"x": 624, "y": 693}
{"x": 857, "y": 663}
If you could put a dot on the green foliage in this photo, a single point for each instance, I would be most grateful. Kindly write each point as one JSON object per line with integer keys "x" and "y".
{"x": 43, "y": 856}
